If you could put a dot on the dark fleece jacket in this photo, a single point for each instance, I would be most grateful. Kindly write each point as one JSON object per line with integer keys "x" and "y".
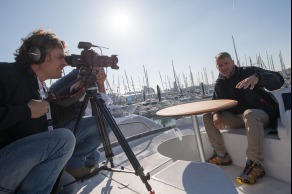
{"x": 258, "y": 98}
{"x": 18, "y": 85}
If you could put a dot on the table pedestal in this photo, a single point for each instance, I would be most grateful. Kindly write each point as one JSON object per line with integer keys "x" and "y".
{"x": 198, "y": 137}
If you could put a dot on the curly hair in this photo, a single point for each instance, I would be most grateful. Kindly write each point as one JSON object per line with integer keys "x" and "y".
{"x": 40, "y": 38}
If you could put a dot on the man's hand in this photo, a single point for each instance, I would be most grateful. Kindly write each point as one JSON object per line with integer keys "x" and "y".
{"x": 248, "y": 82}
{"x": 38, "y": 108}
{"x": 100, "y": 76}
{"x": 219, "y": 122}
{"x": 100, "y": 79}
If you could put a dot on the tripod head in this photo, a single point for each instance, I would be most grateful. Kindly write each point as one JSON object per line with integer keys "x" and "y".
{"x": 88, "y": 76}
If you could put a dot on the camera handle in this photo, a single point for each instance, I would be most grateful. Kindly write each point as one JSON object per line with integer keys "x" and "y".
{"x": 102, "y": 115}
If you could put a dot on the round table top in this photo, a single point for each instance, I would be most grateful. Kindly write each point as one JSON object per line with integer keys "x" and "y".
{"x": 197, "y": 108}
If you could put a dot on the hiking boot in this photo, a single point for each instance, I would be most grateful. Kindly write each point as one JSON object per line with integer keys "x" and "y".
{"x": 81, "y": 173}
{"x": 252, "y": 172}
{"x": 219, "y": 160}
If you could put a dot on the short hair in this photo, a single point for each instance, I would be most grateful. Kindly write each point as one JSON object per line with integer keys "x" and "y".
{"x": 222, "y": 55}
{"x": 40, "y": 38}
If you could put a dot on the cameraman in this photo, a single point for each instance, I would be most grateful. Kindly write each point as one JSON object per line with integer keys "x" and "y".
{"x": 32, "y": 152}
{"x": 65, "y": 112}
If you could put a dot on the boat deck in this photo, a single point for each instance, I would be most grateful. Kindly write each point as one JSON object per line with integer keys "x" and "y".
{"x": 168, "y": 176}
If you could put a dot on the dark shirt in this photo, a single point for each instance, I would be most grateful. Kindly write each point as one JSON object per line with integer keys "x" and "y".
{"x": 18, "y": 85}
{"x": 258, "y": 98}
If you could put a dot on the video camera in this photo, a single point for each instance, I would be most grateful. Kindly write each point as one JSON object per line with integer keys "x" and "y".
{"x": 89, "y": 58}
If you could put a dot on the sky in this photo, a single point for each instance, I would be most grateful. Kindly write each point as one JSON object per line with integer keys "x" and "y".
{"x": 156, "y": 34}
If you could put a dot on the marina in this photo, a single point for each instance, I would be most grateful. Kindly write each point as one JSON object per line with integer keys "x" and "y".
{"x": 155, "y": 64}
{"x": 171, "y": 156}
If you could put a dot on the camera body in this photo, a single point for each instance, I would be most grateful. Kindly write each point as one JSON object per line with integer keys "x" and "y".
{"x": 89, "y": 58}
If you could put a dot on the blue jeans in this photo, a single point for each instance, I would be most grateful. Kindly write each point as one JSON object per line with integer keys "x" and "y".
{"x": 32, "y": 164}
{"x": 85, "y": 153}
{"x": 87, "y": 141}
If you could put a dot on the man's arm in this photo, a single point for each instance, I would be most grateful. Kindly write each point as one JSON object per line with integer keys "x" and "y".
{"x": 262, "y": 78}
{"x": 269, "y": 79}
{"x": 64, "y": 82}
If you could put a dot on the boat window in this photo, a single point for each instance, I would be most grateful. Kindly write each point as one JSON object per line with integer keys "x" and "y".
{"x": 287, "y": 100}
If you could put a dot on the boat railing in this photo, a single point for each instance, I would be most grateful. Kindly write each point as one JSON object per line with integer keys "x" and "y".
{"x": 129, "y": 123}
{"x": 136, "y": 136}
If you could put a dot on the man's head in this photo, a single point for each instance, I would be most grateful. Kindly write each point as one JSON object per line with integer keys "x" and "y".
{"x": 44, "y": 52}
{"x": 224, "y": 64}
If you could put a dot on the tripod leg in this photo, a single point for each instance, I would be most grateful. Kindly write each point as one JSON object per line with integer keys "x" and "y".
{"x": 83, "y": 107}
{"x": 100, "y": 121}
{"x": 103, "y": 133}
{"x": 57, "y": 188}
{"x": 123, "y": 142}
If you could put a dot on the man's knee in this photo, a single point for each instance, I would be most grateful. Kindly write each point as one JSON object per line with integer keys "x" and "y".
{"x": 66, "y": 136}
{"x": 251, "y": 114}
{"x": 257, "y": 115}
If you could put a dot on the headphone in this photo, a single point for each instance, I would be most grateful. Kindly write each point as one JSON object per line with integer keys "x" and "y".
{"x": 36, "y": 55}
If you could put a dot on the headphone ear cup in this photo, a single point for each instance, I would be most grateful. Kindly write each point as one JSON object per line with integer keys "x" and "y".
{"x": 36, "y": 55}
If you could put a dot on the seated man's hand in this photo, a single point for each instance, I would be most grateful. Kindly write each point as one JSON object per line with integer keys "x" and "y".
{"x": 249, "y": 82}
{"x": 219, "y": 122}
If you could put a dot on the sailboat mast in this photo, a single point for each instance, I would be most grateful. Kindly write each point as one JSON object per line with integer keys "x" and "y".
{"x": 119, "y": 86}
{"x": 125, "y": 87}
{"x": 283, "y": 66}
{"x": 238, "y": 63}
{"x": 134, "y": 88}
{"x": 146, "y": 78}
{"x": 213, "y": 77}
{"x": 198, "y": 78}
{"x": 269, "y": 65}
{"x": 272, "y": 63}
{"x": 169, "y": 83}
{"x": 127, "y": 82}
{"x": 206, "y": 76}
{"x": 118, "y": 90}
{"x": 176, "y": 80}
{"x": 192, "y": 77}
{"x": 161, "y": 81}
{"x": 185, "y": 80}
{"x": 109, "y": 87}
{"x": 250, "y": 61}
{"x": 140, "y": 83}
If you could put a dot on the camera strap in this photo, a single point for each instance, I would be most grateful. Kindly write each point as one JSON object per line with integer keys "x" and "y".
{"x": 43, "y": 90}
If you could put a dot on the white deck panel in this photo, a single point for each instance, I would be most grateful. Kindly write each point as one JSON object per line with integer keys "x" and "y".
{"x": 145, "y": 150}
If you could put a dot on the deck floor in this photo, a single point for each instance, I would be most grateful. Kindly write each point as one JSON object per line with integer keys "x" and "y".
{"x": 145, "y": 150}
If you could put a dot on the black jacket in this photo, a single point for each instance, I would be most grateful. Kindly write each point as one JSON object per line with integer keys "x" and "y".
{"x": 258, "y": 98}
{"x": 18, "y": 85}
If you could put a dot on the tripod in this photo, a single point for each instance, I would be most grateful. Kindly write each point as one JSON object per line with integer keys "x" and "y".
{"x": 103, "y": 115}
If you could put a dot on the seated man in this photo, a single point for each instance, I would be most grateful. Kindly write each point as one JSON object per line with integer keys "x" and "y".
{"x": 32, "y": 152}
{"x": 256, "y": 110}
